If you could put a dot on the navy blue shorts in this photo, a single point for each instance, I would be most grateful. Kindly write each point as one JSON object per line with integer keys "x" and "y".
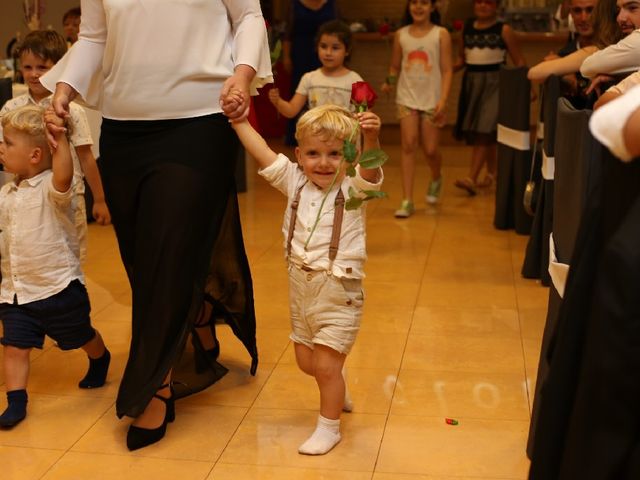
{"x": 64, "y": 317}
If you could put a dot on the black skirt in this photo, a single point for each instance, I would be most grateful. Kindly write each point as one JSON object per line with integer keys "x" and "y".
{"x": 169, "y": 185}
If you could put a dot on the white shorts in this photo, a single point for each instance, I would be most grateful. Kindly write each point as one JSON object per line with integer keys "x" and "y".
{"x": 324, "y": 309}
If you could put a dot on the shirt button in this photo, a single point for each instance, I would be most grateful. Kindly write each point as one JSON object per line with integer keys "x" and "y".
{"x": 313, "y": 204}
{"x": 348, "y": 302}
{"x": 308, "y": 229}
{"x": 309, "y": 277}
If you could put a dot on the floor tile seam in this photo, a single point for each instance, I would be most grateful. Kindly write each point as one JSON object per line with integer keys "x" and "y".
{"x": 60, "y": 450}
{"x": 79, "y": 395}
{"x": 478, "y": 337}
{"x": 481, "y": 419}
{"x": 291, "y": 467}
{"x": 250, "y": 407}
{"x": 524, "y": 363}
{"x": 139, "y": 455}
{"x": 406, "y": 341}
{"x": 316, "y": 409}
{"x": 461, "y": 417}
{"x": 69, "y": 449}
{"x": 447, "y": 477}
{"x": 445, "y": 371}
{"x": 48, "y": 469}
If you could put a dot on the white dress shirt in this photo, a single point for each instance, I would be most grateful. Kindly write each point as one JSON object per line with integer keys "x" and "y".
{"x": 38, "y": 239}
{"x": 161, "y": 59}
{"x": 287, "y": 177}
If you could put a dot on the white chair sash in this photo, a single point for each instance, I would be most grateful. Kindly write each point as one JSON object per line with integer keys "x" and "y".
{"x": 558, "y": 271}
{"x": 517, "y": 139}
{"x": 548, "y": 166}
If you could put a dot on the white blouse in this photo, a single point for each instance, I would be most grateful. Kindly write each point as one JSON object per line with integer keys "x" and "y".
{"x": 161, "y": 59}
{"x": 620, "y": 57}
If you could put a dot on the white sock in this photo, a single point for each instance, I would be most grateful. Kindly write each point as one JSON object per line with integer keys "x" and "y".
{"x": 348, "y": 403}
{"x": 325, "y": 437}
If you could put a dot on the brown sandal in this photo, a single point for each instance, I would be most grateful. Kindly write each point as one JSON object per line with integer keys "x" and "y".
{"x": 467, "y": 185}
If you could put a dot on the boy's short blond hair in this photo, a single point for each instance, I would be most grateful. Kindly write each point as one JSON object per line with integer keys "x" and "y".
{"x": 28, "y": 120}
{"x": 326, "y": 121}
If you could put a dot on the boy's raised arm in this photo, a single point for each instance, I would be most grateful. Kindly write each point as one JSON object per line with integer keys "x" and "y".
{"x": 61, "y": 162}
{"x": 254, "y": 144}
{"x": 370, "y": 125}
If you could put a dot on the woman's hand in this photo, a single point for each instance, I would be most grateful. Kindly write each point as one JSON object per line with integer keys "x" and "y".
{"x": 236, "y": 106}
{"x": 62, "y": 97}
{"x": 55, "y": 127}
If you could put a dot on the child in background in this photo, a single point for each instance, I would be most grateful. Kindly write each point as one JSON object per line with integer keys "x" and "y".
{"x": 331, "y": 83}
{"x": 40, "y": 51}
{"x": 71, "y": 25}
{"x": 421, "y": 67}
{"x": 325, "y": 276}
{"x": 42, "y": 290}
{"x": 484, "y": 45}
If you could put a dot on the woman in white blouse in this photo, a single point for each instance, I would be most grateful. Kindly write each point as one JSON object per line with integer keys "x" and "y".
{"x": 159, "y": 72}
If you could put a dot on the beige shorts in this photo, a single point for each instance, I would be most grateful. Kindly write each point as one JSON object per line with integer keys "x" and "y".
{"x": 324, "y": 309}
{"x": 403, "y": 111}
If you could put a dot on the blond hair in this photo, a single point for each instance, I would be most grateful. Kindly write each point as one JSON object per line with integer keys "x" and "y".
{"x": 326, "y": 121}
{"x": 28, "y": 120}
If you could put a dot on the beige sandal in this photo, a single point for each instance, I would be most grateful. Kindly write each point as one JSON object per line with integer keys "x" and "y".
{"x": 487, "y": 181}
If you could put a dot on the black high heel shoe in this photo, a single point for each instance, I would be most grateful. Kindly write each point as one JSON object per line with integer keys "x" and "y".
{"x": 205, "y": 319}
{"x": 138, "y": 437}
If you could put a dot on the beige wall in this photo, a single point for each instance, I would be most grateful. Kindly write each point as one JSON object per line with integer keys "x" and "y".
{"x": 12, "y": 18}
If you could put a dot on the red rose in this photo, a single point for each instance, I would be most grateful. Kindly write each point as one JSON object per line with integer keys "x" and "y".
{"x": 363, "y": 96}
{"x": 384, "y": 29}
{"x": 457, "y": 25}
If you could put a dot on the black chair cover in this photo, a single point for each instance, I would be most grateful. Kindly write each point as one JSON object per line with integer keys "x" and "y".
{"x": 588, "y": 421}
{"x": 536, "y": 261}
{"x": 514, "y": 164}
{"x": 578, "y": 158}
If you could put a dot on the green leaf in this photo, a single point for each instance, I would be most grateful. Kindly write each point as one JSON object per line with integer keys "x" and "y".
{"x": 351, "y": 171}
{"x": 349, "y": 151}
{"x": 373, "y": 158}
{"x": 352, "y": 192}
{"x": 353, "y": 203}
{"x": 374, "y": 194}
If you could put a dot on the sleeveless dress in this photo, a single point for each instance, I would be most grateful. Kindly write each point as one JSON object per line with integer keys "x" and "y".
{"x": 420, "y": 79}
{"x": 485, "y": 51}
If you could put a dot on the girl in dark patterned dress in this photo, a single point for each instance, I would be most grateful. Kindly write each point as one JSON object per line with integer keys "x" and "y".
{"x": 484, "y": 45}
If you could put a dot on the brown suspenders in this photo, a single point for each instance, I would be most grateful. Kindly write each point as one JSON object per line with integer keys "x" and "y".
{"x": 337, "y": 222}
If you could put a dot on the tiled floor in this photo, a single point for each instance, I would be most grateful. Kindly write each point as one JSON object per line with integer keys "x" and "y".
{"x": 450, "y": 330}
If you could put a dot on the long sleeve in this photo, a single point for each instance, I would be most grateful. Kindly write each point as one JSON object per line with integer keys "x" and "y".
{"x": 621, "y": 57}
{"x": 81, "y": 67}
{"x": 247, "y": 19}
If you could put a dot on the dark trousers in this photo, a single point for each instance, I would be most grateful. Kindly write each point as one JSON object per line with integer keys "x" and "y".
{"x": 167, "y": 183}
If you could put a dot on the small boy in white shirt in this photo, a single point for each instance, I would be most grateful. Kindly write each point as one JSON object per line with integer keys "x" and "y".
{"x": 326, "y": 260}
{"x": 42, "y": 290}
{"x": 39, "y": 52}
